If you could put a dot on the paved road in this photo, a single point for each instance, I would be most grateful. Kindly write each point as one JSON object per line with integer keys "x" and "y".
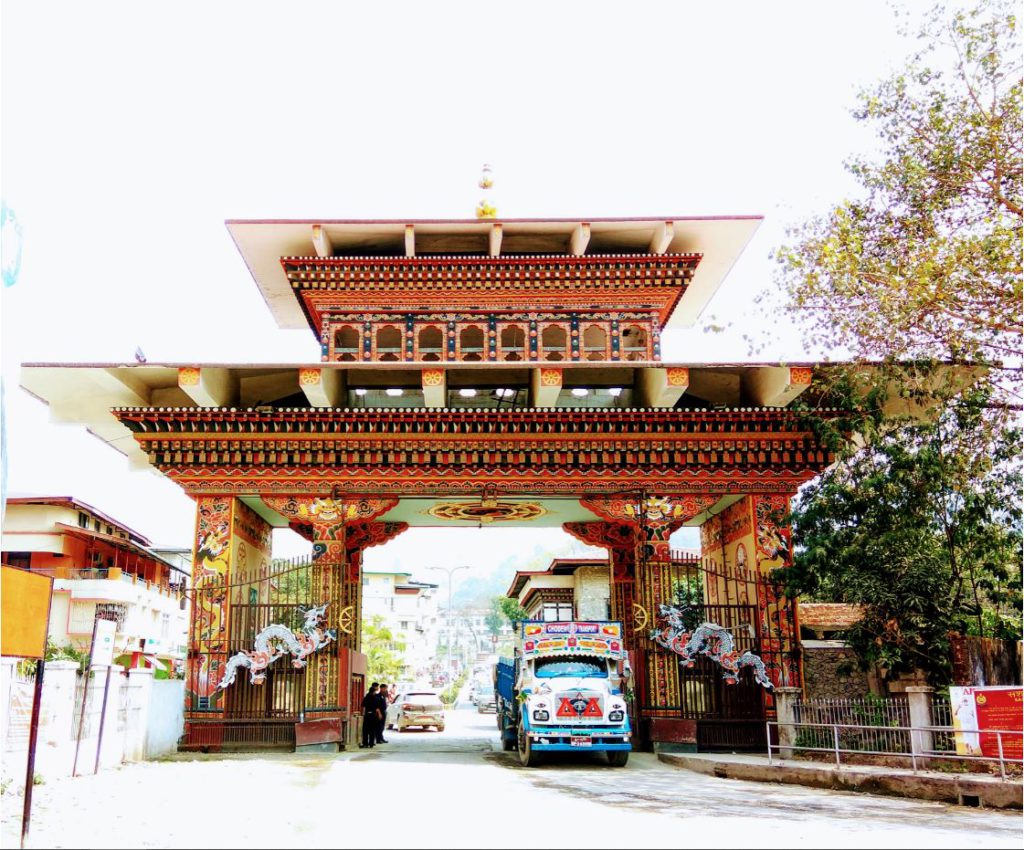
{"x": 456, "y": 789}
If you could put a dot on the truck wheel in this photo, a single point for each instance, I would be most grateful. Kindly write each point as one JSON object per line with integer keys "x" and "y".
{"x": 527, "y": 757}
{"x": 618, "y": 758}
{"x": 508, "y": 737}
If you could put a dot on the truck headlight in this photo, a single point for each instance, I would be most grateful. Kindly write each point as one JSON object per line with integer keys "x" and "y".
{"x": 616, "y": 716}
{"x": 541, "y": 716}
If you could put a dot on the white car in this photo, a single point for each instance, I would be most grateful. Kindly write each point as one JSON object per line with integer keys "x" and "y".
{"x": 416, "y": 708}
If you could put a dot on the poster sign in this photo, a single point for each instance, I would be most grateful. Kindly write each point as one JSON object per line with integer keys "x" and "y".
{"x": 988, "y": 708}
{"x": 25, "y": 614}
{"x": 103, "y": 643}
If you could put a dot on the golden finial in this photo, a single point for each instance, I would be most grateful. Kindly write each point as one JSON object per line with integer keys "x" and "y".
{"x": 485, "y": 209}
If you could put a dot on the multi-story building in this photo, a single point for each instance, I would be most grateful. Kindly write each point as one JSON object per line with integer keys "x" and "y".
{"x": 571, "y": 588}
{"x": 102, "y": 569}
{"x": 409, "y": 610}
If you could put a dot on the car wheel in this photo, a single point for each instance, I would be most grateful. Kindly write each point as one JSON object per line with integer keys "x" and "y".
{"x": 618, "y": 758}
{"x": 440, "y": 728}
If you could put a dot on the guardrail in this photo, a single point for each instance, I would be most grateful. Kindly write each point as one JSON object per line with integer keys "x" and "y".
{"x": 915, "y": 754}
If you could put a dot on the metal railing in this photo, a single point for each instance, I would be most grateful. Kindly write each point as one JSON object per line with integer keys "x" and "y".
{"x": 921, "y": 742}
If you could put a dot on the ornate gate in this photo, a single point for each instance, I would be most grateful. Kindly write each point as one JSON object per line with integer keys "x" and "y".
{"x": 247, "y": 705}
{"x": 760, "y": 620}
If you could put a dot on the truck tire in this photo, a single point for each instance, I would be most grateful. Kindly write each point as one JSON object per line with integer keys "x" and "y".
{"x": 527, "y": 757}
{"x": 618, "y": 758}
{"x": 508, "y": 736}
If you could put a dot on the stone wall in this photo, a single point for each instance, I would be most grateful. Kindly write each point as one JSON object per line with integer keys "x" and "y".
{"x": 832, "y": 670}
{"x": 592, "y": 593}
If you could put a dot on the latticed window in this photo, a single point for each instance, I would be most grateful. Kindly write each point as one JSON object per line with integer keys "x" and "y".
{"x": 114, "y": 611}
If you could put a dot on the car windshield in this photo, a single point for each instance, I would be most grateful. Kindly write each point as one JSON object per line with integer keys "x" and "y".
{"x": 423, "y": 697}
{"x": 551, "y": 668}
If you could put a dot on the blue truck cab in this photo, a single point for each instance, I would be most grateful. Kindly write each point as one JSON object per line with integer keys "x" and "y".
{"x": 564, "y": 691}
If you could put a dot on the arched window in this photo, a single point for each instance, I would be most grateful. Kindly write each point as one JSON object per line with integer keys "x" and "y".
{"x": 389, "y": 343}
{"x": 634, "y": 343}
{"x": 552, "y": 340}
{"x": 346, "y": 344}
{"x": 595, "y": 343}
{"x": 471, "y": 343}
{"x": 513, "y": 343}
{"x": 431, "y": 344}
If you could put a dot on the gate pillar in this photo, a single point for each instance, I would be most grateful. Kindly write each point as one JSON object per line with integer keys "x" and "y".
{"x": 331, "y": 522}
{"x": 232, "y": 553}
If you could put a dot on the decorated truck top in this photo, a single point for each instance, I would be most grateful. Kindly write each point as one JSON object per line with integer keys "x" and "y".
{"x": 600, "y": 639}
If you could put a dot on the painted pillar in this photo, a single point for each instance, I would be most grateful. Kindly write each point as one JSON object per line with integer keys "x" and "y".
{"x": 778, "y": 628}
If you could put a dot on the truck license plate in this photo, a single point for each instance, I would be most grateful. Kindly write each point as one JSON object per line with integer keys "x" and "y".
{"x": 580, "y": 741}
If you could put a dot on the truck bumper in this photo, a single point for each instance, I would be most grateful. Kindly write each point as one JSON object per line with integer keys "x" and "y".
{"x": 560, "y": 740}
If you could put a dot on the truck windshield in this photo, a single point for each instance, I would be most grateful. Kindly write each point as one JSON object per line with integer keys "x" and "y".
{"x": 552, "y": 668}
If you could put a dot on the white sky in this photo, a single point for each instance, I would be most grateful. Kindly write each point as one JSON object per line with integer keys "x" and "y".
{"x": 131, "y": 131}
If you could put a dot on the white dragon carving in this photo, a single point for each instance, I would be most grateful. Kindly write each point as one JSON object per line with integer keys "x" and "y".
{"x": 277, "y": 640}
{"x": 710, "y": 639}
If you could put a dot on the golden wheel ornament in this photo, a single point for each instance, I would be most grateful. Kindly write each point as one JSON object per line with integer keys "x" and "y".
{"x": 347, "y": 620}
{"x": 641, "y": 619}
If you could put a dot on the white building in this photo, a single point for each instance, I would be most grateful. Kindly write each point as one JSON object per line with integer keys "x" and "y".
{"x": 409, "y": 609}
{"x": 102, "y": 569}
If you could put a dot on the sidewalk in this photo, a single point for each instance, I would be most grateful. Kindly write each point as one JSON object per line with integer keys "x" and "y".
{"x": 968, "y": 789}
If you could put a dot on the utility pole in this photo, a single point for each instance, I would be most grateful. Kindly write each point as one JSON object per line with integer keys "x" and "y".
{"x": 450, "y": 571}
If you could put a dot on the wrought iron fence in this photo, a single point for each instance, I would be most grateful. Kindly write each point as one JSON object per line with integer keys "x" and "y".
{"x": 869, "y": 723}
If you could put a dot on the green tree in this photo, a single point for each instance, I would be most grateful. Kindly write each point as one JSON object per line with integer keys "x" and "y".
{"x": 926, "y": 262}
{"x": 922, "y": 526}
{"x": 384, "y": 653}
{"x": 504, "y": 609}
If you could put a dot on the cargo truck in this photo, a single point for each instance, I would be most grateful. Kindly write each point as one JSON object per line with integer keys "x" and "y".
{"x": 564, "y": 691}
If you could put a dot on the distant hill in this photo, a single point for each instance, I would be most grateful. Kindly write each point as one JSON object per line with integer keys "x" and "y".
{"x": 480, "y": 587}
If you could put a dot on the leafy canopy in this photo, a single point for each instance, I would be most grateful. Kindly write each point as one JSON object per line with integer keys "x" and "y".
{"x": 926, "y": 263}
{"x": 923, "y": 527}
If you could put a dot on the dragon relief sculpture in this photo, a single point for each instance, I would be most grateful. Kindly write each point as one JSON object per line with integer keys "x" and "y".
{"x": 710, "y": 639}
{"x": 277, "y": 640}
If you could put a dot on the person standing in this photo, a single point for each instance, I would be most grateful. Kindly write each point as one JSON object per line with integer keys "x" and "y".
{"x": 382, "y": 707}
{"x": 371, "y": 706}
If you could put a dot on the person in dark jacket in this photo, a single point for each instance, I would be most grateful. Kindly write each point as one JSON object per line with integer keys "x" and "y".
{"x": 371, "y": 708}
{"x": 383, "y": 701}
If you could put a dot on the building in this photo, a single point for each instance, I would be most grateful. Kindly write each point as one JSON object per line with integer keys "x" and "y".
{"x": 102, "y": 569}
{"x": 569, "y": 589}
{"x": 409, "y": 610}
{"x": 471, "y": 372}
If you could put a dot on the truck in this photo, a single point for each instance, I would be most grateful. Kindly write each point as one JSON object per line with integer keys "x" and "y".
{"x": 564, "y": 691}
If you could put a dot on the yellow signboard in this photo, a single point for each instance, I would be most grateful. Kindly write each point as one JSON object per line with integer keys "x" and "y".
{"x": 24, "y": 612}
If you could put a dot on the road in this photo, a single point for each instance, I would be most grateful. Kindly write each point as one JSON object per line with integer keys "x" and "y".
{"x": 457, "y": 789}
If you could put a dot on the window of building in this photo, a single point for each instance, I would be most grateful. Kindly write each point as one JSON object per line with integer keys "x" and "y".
{"x": 431, "y": 344}
{"x": 403, "y": 624}
{"x": 513, "y": 343}
{"x": 634, "y": 343}
{"x": 96, "y": 525}
{"x": 389, "y": 343}
{"x": 83, "y": 520}
{"x": 346, "y": 344}
{"x": 471, "y": 343}
{"x": 595, "y": 343}
{"x": 553, "y": 340}
{"x": 554, "y": 612}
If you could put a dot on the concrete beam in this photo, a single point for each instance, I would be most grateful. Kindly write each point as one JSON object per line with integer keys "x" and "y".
{"x": 776, "y": 386}
{"x": 545, "y": 385}
{"x": 209, "y": 387}
{"x": 579, "y": 240}
{"x": 323, "y": 387}
{"x": 435, "y": 387}
{"x": 662, "y": 387}
{"x": 410, "y": 241}
{"x": 494, "y": 247}
{"x": 322, "y": 242}
{"x": 716, "y": 388}
{"x": 662, "y": 238}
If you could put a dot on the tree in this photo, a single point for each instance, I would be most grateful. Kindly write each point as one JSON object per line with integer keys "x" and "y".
{"x": 504, "y": 609}
{"x": 922, "y": 526}
{"x": 384, "y": 653}
{"x": 927, "y": 263}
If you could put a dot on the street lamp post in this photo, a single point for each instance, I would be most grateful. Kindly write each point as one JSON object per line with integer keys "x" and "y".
{"x": 450, "y": 571}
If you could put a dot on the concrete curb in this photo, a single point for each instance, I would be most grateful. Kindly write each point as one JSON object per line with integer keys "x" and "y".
{"x": 960, "y": 789}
